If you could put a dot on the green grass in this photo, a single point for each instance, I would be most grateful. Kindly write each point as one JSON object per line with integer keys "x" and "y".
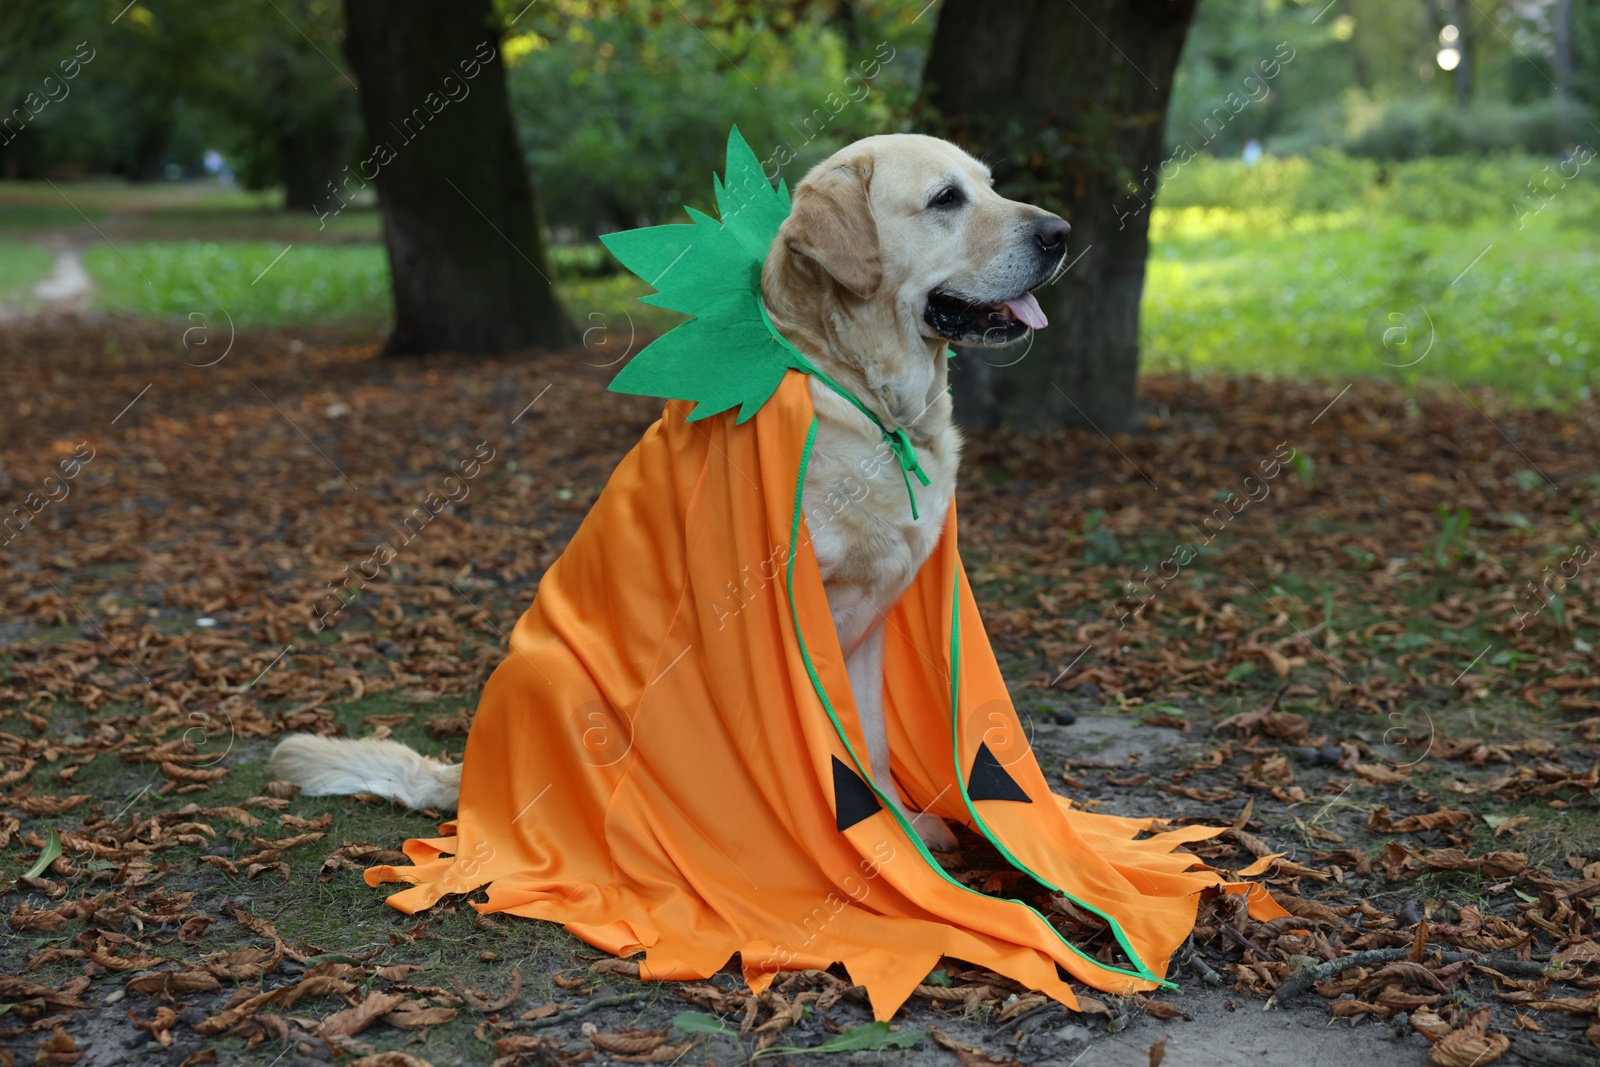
{"x": 21, "y": 268}
{"x": 1552, "y": 836}
{"x": 1340, "y": 296}
{"x": 310, "y": 283}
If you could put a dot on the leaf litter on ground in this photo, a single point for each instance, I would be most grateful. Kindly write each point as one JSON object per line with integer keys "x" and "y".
{"x": 1390, "y": 666}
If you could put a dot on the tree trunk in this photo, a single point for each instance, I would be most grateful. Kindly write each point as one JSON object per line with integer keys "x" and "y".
{"x": 1068, "y": 103}
{"x": 149, "y": 148}
{"x": 309, "y": 158}
{"x": 466, "y": 251}
{"x": 1561, "y": 33}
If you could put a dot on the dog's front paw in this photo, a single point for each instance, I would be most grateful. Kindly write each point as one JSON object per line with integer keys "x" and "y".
{"x": 935, "y": 833}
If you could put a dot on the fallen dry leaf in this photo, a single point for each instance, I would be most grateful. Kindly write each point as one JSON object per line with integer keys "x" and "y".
{"x": 1382, "y": 821}
{"x": 971, "y": 1055}
{"x": 351, "y": 1021}
{"x": 1470, "y": 1045}
{"x": 1160, "y": 1009}
{"x": 60, "y": 1049}
{"x": 228, "y": 1018}
{"x": 159, "y": 1025}
{"x": 170, "y": 984}
{"x": 485, "y": 1003}
{"x": 419, "y": 1017}
{"x": 15, "y": 988}
{"x": 630, "y": 1042}
{"x": 389, "y": 1059}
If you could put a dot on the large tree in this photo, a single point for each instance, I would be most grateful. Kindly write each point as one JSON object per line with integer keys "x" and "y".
{"x": 1068, "y": 102}
{"x": 466, "y": 250}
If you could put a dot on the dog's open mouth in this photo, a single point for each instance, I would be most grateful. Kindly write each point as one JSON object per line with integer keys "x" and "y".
{"x": 960, "y": 318}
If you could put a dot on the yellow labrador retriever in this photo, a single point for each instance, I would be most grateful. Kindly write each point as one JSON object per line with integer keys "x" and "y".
{"x": 896, "y": 247}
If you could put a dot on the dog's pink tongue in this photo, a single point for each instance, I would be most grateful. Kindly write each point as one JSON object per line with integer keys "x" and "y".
{"x": 1027, "y": 310}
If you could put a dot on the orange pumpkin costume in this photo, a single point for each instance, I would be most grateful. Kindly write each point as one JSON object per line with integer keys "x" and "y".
{"x": 669, "y": 760}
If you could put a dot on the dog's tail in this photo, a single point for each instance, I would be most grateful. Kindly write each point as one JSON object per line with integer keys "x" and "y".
{"x": 331, "y": 767}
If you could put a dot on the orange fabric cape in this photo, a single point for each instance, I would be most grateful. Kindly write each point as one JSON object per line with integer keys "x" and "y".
{"x": 669, "y": 760}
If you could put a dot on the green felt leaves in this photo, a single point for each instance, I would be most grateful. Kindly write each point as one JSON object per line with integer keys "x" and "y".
{"x": 725, "y": 356}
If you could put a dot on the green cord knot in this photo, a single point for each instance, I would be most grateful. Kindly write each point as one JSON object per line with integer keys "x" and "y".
{"x": 906, "y": 453}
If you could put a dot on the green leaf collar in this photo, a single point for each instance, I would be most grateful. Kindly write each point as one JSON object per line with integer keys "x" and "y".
{"x": 726, "y": 355}
{"x": 729, "y": 354}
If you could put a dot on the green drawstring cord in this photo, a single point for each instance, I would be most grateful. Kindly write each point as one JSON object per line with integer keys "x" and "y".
{"x": 905, "y": 453}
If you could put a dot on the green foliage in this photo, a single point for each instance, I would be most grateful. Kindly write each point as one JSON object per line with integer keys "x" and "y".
{"x": 585, "y": 260}
{"x": 290, "y": 112}
{"x": 622, "y": 118}
{"x": 1414, "y": 127}
{"x": 1305, "y": 469}
{"x": 1364, "y": 78}
{"x": 47, "y": 855}
{"x": 1325, "y": 181}
{"x": 1100, "y": 545}
{"x": 699, "y": 1022}
{"x": 166, "y": 81}
{"x": 1452, "y": 525}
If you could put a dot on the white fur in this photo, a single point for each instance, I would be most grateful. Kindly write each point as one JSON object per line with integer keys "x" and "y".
{"x": 331, "y": 767}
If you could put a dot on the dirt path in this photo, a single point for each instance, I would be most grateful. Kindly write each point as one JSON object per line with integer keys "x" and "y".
{"x": 68, "y": 288}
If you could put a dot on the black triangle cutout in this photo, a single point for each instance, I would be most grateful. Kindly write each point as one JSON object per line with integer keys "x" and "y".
{"x": 853, "y": 799}
{"x": 989, "y": 780}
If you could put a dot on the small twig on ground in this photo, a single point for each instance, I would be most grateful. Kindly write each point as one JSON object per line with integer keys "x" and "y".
{"x": 1244, "y": 941}
{"x": 1207, "y": 975}
{"x": 561, "y": 1017}
{"x": 1014, "y": 1024}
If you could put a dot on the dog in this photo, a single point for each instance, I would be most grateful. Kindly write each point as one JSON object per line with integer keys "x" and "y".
{"x": 895, "y": 247}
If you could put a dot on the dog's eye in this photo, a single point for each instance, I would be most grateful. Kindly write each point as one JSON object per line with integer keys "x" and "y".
{"x": 949, "y": 196}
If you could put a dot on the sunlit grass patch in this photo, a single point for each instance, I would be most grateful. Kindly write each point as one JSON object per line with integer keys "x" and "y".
{"x": 1351, "y": 295}
{"x": 258, "y": 283}
{"x": 22, "y": 266}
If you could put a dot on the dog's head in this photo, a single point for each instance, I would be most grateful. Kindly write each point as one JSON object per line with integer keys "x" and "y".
{"x": 909, "y": 226}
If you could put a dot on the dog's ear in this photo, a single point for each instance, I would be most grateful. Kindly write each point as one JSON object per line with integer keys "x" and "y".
{"x": 831, "y": 223}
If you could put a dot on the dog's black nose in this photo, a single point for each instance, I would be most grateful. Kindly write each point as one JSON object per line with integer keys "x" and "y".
{"x": 1051, "y": 233}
